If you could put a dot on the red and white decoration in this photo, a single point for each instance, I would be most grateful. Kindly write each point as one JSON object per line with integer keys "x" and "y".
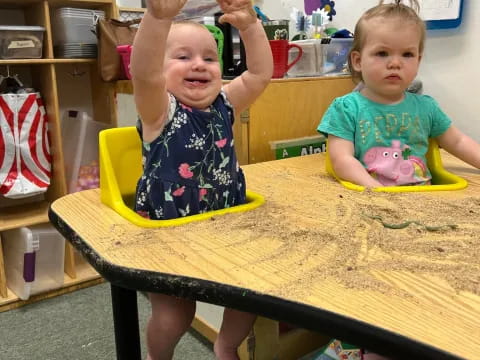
{"x": 25, "y": 161}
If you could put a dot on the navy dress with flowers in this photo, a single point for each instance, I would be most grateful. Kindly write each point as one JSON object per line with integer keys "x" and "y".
{"x": 191, "y": 167}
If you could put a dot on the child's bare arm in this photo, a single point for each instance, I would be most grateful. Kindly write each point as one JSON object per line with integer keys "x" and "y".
{"x": 346, "y": 166}
{"x": 147, "y": 64}
{"x": 243, "y": 90}
{"x": 460, "y": 145}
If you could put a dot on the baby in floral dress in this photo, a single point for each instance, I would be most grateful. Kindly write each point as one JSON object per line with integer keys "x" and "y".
{"x": 191, "y": 167}
{"x": 189, "y": 161}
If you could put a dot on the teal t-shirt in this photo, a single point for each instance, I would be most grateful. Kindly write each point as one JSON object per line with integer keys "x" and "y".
{"x": 391, "y": 141}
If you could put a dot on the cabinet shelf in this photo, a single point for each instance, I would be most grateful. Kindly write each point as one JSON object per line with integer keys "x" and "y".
{"x": 16, "y": 4}
{"x": 73, "y": 3}
{"x": 12, "y": 301}
{"x": 24, "y": 215}
{"x": 129, "y": 9}
{"x": 46, "y": 61}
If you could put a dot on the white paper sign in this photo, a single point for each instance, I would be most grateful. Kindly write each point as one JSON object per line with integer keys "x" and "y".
{"x": 439, "y": 9}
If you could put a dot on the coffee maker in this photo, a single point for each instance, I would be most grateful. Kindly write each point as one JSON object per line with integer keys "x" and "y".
{"x": 234, "y": 60}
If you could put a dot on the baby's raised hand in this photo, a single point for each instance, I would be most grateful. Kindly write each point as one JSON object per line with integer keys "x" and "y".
{"x": 238, "y": 13}
{"x": 165, "y": 9}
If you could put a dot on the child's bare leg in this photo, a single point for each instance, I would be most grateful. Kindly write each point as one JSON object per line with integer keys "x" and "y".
{"x": 171, "y": 317}
{"x": 236, "y": 325}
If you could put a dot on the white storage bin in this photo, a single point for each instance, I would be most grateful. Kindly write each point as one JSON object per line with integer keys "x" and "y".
{"x": 21, "y": 42}
{"x": 80, "y": 149}
{"x": 33, "y": 259}
{"x": 72, "y": 25}
{"x": 335, "y": 56}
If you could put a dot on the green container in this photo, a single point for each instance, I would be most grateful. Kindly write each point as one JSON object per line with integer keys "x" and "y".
{"x": 276, "y": 29}
{"x": 299, "y": 147}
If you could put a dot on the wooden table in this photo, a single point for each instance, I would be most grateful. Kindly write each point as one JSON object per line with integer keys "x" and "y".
{"x": 281, "y": 261}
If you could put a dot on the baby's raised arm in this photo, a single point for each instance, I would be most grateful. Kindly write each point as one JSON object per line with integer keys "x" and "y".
{"x": 244, "y": 89}
{"x": 147, "y": 61}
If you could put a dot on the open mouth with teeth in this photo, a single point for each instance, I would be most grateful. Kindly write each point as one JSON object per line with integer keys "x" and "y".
{"x": 196, "y": 81}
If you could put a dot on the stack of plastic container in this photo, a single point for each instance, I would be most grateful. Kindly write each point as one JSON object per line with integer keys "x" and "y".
{"x": 74, "y": 32}
{"x": 311, "y": 62}
{"x": 21, "y": 42}
{"x": 321, "y": 57}
{"x": 33, "y": 258}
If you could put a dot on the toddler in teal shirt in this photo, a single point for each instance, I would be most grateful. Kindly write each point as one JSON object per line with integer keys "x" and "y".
{"x": 379, "y": 135}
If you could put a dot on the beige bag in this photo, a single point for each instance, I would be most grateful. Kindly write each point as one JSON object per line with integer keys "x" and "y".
{"x": 112, "y": 33}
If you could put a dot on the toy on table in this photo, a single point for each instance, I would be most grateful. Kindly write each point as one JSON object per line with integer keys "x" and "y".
{"x": 302, "y": 24}
{"x": 309, "y": 26}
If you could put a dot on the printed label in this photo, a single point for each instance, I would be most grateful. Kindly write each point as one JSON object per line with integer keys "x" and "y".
{"x": 21, "y": 44}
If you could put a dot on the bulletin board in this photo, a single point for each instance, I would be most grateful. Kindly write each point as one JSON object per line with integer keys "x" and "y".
{"x": 441, "y": 14}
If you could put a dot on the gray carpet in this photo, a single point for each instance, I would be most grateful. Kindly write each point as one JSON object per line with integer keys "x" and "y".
{"x": 78, "y": 326}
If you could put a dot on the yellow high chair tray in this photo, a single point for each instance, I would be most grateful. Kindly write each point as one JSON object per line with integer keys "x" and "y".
{"x": 441, "y": 178}
{"x": 120, "y": 169}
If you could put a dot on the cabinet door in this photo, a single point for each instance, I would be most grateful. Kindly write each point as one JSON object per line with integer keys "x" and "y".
{"x": 289, "y": 109}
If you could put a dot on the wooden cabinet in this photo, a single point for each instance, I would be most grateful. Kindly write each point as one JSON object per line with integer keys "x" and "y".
{"x": 41, "y": 74}
{"x": 287, "y": 109}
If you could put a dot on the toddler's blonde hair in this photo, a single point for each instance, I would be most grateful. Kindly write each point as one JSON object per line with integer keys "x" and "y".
{"x": 395, "y": 10}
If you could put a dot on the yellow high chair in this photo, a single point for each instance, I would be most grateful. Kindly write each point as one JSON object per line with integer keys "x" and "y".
{"x": 120, "y": 169}
{"x": 441, "y": 178}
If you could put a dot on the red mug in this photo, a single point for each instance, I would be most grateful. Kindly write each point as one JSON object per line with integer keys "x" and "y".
{"x": 280, "y": 49}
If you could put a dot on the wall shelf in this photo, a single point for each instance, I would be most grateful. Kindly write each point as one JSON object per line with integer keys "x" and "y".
{"x": 24, "y": 215}
{"x": 128, "y": 9}
{"x": 46, "y": 61}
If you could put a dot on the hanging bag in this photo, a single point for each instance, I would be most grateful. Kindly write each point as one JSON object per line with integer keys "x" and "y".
{"x": 25, "y": 161}
{"x": 112, "y": 33}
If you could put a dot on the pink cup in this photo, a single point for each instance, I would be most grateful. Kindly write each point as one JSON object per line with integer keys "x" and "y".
{"x": 280, "y": 49}
{"x": 125, "y": 51}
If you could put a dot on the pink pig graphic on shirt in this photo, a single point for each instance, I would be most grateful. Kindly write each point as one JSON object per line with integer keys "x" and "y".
{"x": 394, "y": 166}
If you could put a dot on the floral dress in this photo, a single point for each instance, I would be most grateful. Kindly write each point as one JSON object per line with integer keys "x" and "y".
{"x": 191, "y": 167}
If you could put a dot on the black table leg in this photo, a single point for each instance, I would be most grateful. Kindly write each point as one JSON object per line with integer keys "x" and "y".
{"x": 125, "y": 322}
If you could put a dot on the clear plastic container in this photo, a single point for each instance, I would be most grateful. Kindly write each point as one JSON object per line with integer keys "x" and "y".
{"x": 335, "y": 56}
{"x": 34, "y": 259}
{"x": 80, "y": 149}
{"x": 72, "y": 25}
{"x": 21, "y": 42}
{"x": 311, "y": 62}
